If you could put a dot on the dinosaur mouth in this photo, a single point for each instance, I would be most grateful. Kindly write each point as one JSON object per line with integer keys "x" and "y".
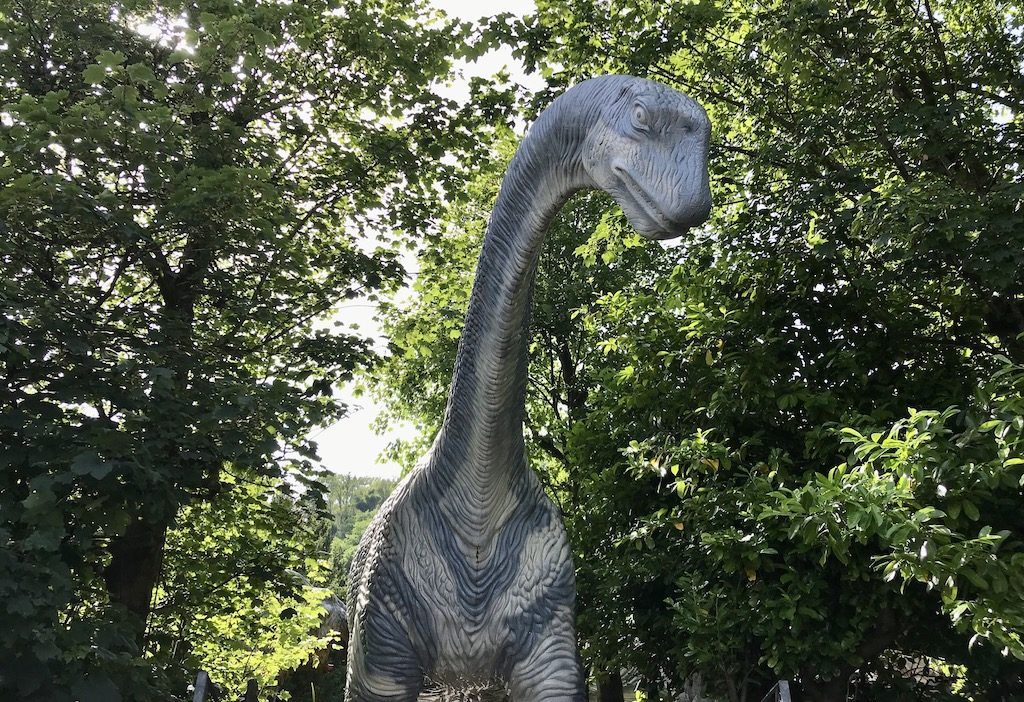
{"x": 645, "y": 205}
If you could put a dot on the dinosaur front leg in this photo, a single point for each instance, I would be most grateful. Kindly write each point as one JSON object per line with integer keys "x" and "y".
{"x": 382, "y": 665}
{"x": 551, "y": 669}
{"x": 364, "y": 687}
{"x": 388, "y": 678}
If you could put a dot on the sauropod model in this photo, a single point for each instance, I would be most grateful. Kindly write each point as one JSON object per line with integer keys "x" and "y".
{"x": 464, "y": 580}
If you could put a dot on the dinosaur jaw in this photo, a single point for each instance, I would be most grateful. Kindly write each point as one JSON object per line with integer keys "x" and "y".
{"x": 643, "y": 211}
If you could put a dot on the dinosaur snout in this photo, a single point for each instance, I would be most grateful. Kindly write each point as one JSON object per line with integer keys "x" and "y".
{"x": 683, "y": 210}
{"x": 693, "y": 211}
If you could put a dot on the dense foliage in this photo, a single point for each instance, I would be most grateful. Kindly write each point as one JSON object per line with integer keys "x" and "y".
{"x": 352, "y": 502}
{"x": 790, "y": 446}
{"x": 188, "y": 187}
{"x": 242, "y": 588}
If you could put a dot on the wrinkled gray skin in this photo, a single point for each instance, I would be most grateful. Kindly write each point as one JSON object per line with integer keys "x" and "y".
{"x": 465, "y": 579}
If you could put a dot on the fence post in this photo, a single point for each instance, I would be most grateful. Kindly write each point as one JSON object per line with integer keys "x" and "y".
{"x": 779, "y": 693}
{"x": 203, "y": 687}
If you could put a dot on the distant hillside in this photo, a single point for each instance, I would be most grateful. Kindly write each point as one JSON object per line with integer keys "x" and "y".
{"x": 352, "y": 502}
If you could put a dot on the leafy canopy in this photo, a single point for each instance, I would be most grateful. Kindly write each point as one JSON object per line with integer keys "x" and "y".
{"x": 189, "y": 188}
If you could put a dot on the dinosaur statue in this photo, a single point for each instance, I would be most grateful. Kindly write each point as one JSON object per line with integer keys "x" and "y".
{"x": 464, "y": 580}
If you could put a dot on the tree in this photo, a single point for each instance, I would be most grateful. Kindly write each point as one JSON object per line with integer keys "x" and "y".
{"x": 242, "y": 590}
{"x": 188, "y": 188}
{"x": 764, "y": 477}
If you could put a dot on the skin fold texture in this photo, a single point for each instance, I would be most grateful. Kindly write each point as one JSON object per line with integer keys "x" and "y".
{"x": 464, "y": 580}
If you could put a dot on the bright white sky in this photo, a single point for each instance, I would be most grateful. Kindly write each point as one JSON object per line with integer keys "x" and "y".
{"x": 351, "y": 446}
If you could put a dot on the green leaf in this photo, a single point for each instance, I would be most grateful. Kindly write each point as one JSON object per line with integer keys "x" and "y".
{"x": 141, "y": 73}
{"x": 44, "y": 539}
{"x": 927, "y": 550}
{"x": 88, "y": 463}
{"x": 110, "y": 59}
{"x": 94, "y": 74}
{"x": 975, "y": 579}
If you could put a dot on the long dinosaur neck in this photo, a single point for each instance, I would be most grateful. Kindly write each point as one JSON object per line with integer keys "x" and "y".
{"x": 481, "y": 439}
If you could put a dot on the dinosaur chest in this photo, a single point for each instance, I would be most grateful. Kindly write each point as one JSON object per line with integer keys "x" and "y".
{"x": 478, "y": 595}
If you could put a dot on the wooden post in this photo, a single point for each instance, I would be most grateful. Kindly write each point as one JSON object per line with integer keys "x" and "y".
{"x": 252, "y": 691}
{"x": 609, "y": 687}
{"x": 779, "y": 693}
{"x": 203, "y": 687}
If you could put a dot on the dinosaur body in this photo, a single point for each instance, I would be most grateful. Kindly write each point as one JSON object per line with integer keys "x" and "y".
{"x": 464, "y": 580}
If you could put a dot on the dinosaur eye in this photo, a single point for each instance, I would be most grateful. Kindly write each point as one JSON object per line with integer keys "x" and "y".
{"x": 641, "y": 120}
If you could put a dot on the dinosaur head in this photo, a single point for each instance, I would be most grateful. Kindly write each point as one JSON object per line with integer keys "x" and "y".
{"x": 647, "y": 146}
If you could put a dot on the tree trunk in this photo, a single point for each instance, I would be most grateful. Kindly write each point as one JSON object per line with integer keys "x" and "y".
{"x": 134, "y": 569}
{"x": 137, "y": 555}
{"x": 609, "y": 687}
